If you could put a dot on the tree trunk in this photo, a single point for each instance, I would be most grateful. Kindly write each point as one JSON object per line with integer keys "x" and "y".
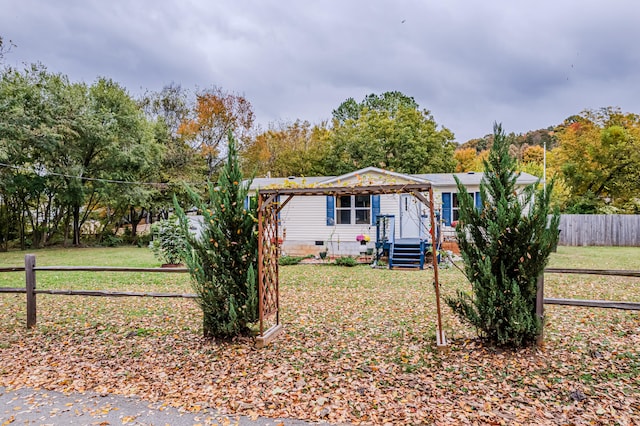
{"x": 76, "y": 225}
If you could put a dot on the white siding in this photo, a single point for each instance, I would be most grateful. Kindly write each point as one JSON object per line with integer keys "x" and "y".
{"x": 304, "y": 218}
{"x": 390, "y": 204}
{"x": 304, "y": 222}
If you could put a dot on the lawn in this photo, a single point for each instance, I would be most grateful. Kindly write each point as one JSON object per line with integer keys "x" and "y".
{"x": 358, "y": 346}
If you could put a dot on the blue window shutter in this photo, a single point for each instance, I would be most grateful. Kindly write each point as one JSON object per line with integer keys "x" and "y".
{"x": 446, "y": 208}
{"x": 246, "y": 202}
{"x": 375, "y": 208}
{"x": 331, "y": 218}
{"x": 478, "y": 201}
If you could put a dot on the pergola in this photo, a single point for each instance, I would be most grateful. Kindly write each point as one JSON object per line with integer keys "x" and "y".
{"x": 270, "y": 202}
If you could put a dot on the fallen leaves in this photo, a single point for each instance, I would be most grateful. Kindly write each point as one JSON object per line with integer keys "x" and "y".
{"x": 358, "y": 347}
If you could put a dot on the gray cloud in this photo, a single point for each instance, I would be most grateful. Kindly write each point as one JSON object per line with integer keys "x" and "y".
{"x": 469, "y": 63}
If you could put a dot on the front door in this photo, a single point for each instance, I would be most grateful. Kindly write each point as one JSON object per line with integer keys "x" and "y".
{"x": 410, "y": 216}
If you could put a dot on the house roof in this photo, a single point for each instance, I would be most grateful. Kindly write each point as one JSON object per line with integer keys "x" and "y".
{"x": 436, "y": 179}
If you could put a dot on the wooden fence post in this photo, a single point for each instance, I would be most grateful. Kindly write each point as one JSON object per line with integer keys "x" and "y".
{"x": 540, "y": 308}
{"x": 30, "y": 277}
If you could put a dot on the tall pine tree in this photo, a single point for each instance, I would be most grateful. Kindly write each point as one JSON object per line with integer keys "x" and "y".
{"x": 505, "y": 246}
{"x": 222, "y": 259}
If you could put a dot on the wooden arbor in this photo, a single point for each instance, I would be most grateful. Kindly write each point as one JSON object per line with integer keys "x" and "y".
{"x": 269, "y": 205}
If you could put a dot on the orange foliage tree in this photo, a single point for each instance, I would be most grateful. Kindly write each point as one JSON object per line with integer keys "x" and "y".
{"x": 292, "y": 149}
{"x": 533, "y": 154}
{"x": 215, "y": 114}
{"x": 599, "y": 160}
{"x": 466, "y": 159}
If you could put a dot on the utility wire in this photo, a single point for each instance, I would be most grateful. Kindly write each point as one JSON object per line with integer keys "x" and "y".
{"x": 47, "y": 173}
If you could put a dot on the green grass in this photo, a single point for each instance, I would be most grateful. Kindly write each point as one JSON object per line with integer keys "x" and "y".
{"x": 596, "y": 258}
{"x": 121, "y": 256}
{"x": 556, "y": 285}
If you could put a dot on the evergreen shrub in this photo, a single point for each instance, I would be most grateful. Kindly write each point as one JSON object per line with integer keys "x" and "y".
{"x": 222, "y": 259}
{"x": 505, "y": 246}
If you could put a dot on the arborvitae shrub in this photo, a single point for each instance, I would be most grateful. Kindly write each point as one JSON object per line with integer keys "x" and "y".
{"x": 505, "y": 245}
{"x": 222, "y": 259}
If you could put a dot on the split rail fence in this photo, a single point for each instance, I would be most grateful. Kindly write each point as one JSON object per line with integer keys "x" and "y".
{"x": 31, "y": 289}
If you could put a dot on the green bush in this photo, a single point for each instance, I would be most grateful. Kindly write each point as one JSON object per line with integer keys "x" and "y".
{"x": 169, "y": 242}
{"x": 290, "y": 260}
{"x": 143, "y": 240}
{"x": 110, "y": 240}
{"x": 222, "y": 259}
{"x": 505, "y": 246}
{"x": 346, "y": 261}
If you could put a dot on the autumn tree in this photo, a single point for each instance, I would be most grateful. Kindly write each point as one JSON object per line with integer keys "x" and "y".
{"x": 518, "y": 142}
{"x": 215, "y": 114}
{"x": 533, "y": 153}
{"x": 466, "y": 159}
{"x": 598, "y": 157}
{"x": 287, "y": 149}
{"x": 167, "y": 110}
{"x": 390, "y": 132}
{"x": 478, "y": 144}
{"x": 505, "y": 246}
{"x": 222, "y": 260}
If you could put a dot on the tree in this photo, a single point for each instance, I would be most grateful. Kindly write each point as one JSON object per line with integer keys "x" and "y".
{"x": 293, "y": 149}
{"x": 215, "y": 114}
{"x": 5, "y": 47}
{"x": 167, "y": 110}
{"x": 505, "y": 246}
{"x": 393, "y": 134}
{"x": 34, "y": 118}
{"x": 533, "y": 154}
{"x": 466, "y": 159}
{"x": 223, "y": 259}
{"x": 598, "y": 157}
{"x": 65, "y": 144}
{"x": 389, "y": 102}
{"x": 112, "y": 141}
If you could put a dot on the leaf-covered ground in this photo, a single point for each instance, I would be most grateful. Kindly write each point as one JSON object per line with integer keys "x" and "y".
{"x": 358, "y": 347}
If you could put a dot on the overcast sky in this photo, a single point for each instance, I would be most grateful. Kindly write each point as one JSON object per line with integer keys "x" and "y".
{"x": 528, "y": 65}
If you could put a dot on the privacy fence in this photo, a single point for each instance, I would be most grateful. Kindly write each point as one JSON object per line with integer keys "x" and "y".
{"x": 600, "y": 230}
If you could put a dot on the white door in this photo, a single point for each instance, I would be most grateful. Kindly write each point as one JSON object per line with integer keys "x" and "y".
{"x": 410, "y": 212}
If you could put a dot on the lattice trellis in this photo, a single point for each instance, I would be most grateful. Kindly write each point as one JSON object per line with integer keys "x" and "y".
{"x": 268, "y": 246}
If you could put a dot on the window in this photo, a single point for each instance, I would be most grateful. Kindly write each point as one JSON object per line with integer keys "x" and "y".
{"x": 353, "y": 209}
{"x": 455, "y": 207}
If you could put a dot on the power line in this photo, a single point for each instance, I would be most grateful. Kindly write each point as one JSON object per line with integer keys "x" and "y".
{"x": 91, "y": 179}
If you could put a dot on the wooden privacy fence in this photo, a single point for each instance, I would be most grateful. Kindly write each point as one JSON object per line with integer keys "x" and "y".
{"x": 599, "y": 230}
{"x": 31, "y": 289}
